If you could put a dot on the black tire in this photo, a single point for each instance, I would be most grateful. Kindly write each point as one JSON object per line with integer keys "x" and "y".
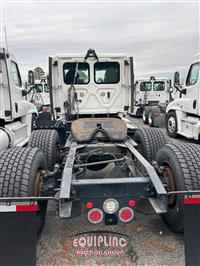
{"x": 183, "y": 161}
{"x": 149, "y": 141}
{"x": 171, "y": 124}
{"x": 18, "y": 171}
{"x": 48, "y": 141}
{"x": 151, "y": 119}
{"x": 145, "y": 116}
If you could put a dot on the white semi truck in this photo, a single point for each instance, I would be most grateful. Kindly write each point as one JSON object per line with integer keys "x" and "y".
{"x": 183, "y": 114}
{"x": 150, "y": 98}
{"x": 16, "y": 114}
{"x": 40, "y": 95}
{"x": 21, "y": 168}
{"x": 89, "y": 94}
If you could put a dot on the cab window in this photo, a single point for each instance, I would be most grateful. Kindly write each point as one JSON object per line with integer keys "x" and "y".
{"x": 46, "y": 88}
{"x": 145, "y": 86}
{"x": 106, "y": 72}
{"x": 15, "y": 74}
{"x": 38, "y": 88}
{"x": 80, "y": 69}
{"x": 159, "y": 86}
{"x": 193, "y": 74}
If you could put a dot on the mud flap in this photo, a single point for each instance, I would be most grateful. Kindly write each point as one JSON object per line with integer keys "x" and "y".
{"x": 18, "y": 235}
{"x": 192, "y": 230}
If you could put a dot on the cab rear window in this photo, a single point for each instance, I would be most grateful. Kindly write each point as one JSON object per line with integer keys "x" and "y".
{"x": 159, "y": 86}
{"x": 46, "y": 88}
{"x": 106, "y": 72}
{"x": 38, "y": 88}
{"x": 76, "y": 73}
{"x": 145, "y": 86}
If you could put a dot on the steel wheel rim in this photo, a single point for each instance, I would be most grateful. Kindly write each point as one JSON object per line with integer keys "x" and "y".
{"x": 170, "y": 182}
{"x": 171, "y": 124}
{"x": 143, "y": 116}
{"x": 38, "y": 183}
{"x": 150, "y": 118}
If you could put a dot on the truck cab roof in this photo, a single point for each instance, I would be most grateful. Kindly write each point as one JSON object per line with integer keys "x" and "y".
{"x": 103, "y": 55}
{"x": 156, "y": 79}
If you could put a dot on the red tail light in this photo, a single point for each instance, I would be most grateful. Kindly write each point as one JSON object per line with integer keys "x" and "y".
{"x": 126, "y": 214}
{"x": 131, "y": 203}
{"x": 89, "y": 205}
{"x": 95, "y": 216}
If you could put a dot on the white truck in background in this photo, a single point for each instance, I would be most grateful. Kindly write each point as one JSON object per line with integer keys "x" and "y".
{"x": 16, "y": 113}
{"x": 40, "y": 95}
{"x": 183, "y": 114}
{"x": 150, "y": 98}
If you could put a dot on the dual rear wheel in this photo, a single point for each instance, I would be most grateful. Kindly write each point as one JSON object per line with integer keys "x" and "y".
{"x": 22, "y": 169}
{"x": 181, "y": 170}
{"x": 21, "y": 172}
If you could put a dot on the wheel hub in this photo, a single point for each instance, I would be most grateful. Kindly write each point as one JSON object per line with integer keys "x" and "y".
{"x": 169, "y": 177}
{"x": 143, "y": 116}
{"x": 171, "y": 124}
{"x": 150, "y": 119}
{"x": 38, "y": 183}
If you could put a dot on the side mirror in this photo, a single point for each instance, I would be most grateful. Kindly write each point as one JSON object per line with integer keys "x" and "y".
{"x": 183, "y": 91}
{"x": 176, "y": 79}
{"x": 31, "y": 78}
{"x": 24, "y": 93}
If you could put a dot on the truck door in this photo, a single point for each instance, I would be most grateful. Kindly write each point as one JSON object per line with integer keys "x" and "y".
{"x": 16, "y": 88}
{"x": 5, "y": 97}
{"x": 190, "y": 99}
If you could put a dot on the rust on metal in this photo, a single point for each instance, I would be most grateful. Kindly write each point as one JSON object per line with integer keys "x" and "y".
{"x": 168, "y": 174}
{"x": 84, "y": 129}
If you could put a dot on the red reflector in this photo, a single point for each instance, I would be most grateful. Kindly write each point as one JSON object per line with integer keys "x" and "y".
{"x": 27, "y": 208}
{"x": 89, "y": 205}
{"x": 126, "y": 214}
{"x": 95, "y": 216}
{"x": 191, "y": 200}
{"x": 131, "y": 203}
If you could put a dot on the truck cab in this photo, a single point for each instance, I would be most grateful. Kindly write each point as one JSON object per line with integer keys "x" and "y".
{"x": 183, "y": 114}
{"x": 91, "y": 84}
{"x": 15, "y": 112}
{"x": 150, "y": 92}
{"x": 40, "y": 95}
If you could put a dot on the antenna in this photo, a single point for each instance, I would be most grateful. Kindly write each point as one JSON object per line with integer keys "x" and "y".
{"x": 6, "y": 37}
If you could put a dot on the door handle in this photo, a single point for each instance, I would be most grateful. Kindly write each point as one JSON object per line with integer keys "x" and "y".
{"x": 194, "y": 104}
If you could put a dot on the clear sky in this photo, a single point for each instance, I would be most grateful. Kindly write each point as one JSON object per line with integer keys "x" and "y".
{"x": 161, "y": 36}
